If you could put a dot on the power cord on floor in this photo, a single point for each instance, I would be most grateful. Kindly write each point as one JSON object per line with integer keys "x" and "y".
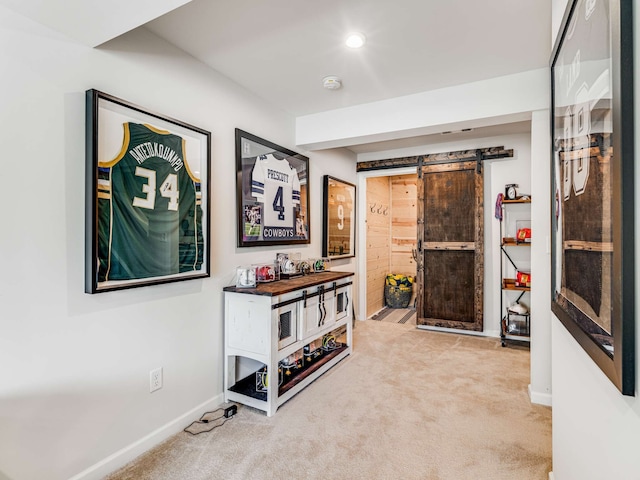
{"x": 229, "y": 413}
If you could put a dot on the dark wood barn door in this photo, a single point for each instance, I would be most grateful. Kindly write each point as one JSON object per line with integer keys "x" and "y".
{"x": 450, "y": 246}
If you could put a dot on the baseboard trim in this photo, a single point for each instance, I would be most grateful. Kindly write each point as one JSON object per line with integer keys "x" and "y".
{"x": 551, "y": 477}
{"x": 540, "y": 398}
{"x": 122, "y": 457}
{"x": 492, "y": 334}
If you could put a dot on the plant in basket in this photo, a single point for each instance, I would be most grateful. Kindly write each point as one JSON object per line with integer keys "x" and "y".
{"x": 398, "y": 290}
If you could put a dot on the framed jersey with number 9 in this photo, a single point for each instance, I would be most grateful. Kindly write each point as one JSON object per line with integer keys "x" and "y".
{"x": 339, "y": 226}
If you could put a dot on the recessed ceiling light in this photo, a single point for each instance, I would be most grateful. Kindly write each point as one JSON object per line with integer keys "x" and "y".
{"x": 355, "y": 40}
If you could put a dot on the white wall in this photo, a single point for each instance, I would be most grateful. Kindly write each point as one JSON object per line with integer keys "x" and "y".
{"x": 540, "y": 387}
{"x": 557, "y": 12}
{"x": 74, "y": 368}
{"x": 596, "y": 430}
{"x": 496, "y": 101}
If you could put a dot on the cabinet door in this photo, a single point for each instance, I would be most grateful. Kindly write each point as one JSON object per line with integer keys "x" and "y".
{"x": 318, "y": 312}
{"x": 287, "y": 320}
{"x": 342, "y": 302}
{"x": 247, "y": 324}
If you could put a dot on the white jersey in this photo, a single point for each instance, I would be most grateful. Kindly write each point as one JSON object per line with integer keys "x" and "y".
{"x": 276, "y": 185}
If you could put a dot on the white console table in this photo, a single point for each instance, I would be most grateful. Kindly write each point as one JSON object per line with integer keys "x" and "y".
{"x": 275, "y": 321}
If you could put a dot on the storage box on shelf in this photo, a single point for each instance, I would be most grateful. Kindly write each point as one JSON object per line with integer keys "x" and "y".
{"x": 281, "y": 336}
{"x": 515, "y": 263}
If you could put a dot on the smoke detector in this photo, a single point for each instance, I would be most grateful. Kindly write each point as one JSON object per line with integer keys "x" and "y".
{"x": 331, "y": 82}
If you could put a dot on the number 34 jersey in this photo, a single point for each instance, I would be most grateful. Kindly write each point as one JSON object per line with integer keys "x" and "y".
{"x": 275, "y": 183}
{"x": 149, "y": 208}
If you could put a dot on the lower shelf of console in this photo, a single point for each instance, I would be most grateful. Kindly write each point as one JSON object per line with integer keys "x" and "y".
{"x": 246, "y": 387}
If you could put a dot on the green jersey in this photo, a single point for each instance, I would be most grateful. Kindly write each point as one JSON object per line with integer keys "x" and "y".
{"x": 149, "y": 208}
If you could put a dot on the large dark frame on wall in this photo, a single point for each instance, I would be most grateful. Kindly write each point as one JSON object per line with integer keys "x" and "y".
{"x": 272, "y": 191}
{"x": 593, "y": 220}
{"x": 339, "y": 225}
{"x": 147, "y": 197}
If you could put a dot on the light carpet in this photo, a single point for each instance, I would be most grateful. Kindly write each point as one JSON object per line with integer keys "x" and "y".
{"x": 407, "y": 404}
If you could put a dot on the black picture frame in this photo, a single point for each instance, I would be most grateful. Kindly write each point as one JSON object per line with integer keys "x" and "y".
{"x": 272, "y": 196}
{"x": 592, "y": 133}
{"x": 339, "y": 218}
{"x": 147, "y": 197}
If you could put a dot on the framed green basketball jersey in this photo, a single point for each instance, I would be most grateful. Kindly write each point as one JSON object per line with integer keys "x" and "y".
{"x": 147, "y": 197}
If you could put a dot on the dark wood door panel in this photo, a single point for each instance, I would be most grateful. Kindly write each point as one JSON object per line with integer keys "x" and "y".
{"x": 449, "y": 286}
{"x": 447, "y": 215}
{"x": 451, "y": 234}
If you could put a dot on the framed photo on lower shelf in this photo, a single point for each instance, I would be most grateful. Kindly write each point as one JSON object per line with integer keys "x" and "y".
{"x": 147, "y": 197}
{"x": 339, "y": 226}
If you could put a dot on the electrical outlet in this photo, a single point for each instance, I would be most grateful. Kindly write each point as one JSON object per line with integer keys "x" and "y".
{"x": 155, "y": 379}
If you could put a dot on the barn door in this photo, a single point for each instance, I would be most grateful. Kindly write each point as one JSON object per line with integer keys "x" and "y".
{"x": 450, "y": 246}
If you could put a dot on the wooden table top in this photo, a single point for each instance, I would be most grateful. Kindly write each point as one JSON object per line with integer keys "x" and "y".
{"x": 281, "y": 287}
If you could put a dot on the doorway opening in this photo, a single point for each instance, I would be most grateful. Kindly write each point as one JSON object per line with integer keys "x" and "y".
{"x": 391, "y": 239}
{"x": 446, "y": 245}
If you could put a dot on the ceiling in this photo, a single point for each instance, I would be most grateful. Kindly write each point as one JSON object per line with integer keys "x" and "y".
{"x": 92, "y": 22}
{"x": 282, "y": 49}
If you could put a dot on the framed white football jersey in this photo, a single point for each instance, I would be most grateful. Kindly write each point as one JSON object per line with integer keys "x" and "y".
{"x": 276, "y": 185}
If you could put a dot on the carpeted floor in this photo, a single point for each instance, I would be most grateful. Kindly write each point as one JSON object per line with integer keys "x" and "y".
{"x": 407, "y": 404}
